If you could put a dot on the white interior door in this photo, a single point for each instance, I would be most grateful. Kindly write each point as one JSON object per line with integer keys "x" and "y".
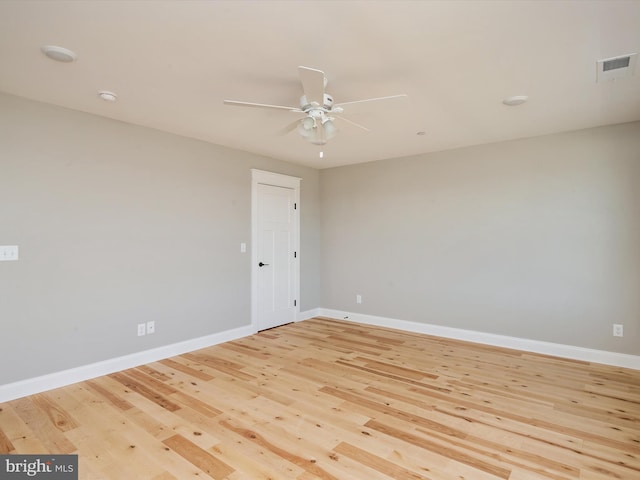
{"x": 275, "y": 269}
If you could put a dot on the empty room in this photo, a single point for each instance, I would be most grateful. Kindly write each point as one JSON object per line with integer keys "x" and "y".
{"x": 319, "y": 240}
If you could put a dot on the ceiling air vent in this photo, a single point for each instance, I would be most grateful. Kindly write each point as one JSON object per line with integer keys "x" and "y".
{"x": 614, "y": 68}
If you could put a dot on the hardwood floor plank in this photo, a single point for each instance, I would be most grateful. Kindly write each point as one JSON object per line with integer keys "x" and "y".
{"x": 253, "y": 464}
{"x": 145, "y": 391}
{"x": 5, "y": 444}
{"x": 230, "y": 368}
{"x": 331, "y": 399}
{"x": 308, "y": 464}
{"x": 248, "y": 456}
{"x": 382, "y": 373}
{"x": 164, "y": 476}
{"x": 384, "y": 408}
{"x": 462, "y": 457}
{"x": 202, "y": 459}
{"x": 526, "y": 421}
{"x": 107, "y": 437}
{"x": 112, "y": 397}
{"x": 355, "y": 343}
{"x": 396, "y": 370}
{"x": 17, "y": 431}
{"x": 149, "y": 382}
{"x": 375, "y": 462}
{"x": 185, "y": 368}
{"x": 185, "y": 400}
{"x": 152, "y": 372}
{"x": 58, "y": 417}
{"x": 254, "y": 352}
{"x": 42, "y": 426}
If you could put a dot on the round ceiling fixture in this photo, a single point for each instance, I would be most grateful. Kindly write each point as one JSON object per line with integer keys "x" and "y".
{"x": 59, "y": 54}
{"x": 107, "y": 96}
{"x": 515, "y": 100}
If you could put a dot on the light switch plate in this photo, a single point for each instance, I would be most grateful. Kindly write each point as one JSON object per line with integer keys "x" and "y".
{"x": 618, "y": 330}
{"x": 8, "y": 253}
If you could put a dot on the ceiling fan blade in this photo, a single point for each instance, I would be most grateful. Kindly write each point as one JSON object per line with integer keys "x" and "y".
{"x": 262, "y": 105}
{"x": 392, "y": 97}
{"x": 352, "y": 123}
{"x": 289, "y": 128}
{"x": 312, "y": 84}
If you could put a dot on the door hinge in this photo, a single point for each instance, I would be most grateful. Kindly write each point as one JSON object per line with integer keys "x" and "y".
{"x": 295, "y": 206}
{"x": 295, "y": 254}
{"x": 295, "y": 303}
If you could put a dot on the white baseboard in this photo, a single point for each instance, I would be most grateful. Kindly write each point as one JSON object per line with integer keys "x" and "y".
{"x": 527, "y": 345}
{"x": 307, "y": 314}
{"x": 43, "y": 383}
{"x": 40, "y": 384}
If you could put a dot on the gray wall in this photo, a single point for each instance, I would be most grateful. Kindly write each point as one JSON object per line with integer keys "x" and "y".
{"x": 119, "y": 224}
{"x": 536, "y": 238}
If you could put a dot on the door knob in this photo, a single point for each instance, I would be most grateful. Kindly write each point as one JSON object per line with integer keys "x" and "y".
{"x": 262, "y": 264}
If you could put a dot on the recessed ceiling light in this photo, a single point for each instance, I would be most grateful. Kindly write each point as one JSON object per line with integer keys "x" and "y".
{"x": 59, "y": 54}
{"x": 107, "y": 96}
{"x": 515, "y": 100}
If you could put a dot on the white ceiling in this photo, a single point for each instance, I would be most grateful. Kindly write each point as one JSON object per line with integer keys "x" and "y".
{"x": 172, "y": 63}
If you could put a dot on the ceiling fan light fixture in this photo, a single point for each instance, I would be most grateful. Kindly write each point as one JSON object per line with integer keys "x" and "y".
{"x": 309, "y": 123}
{"x": 330, "y": 130}
{"x": 318, "y": 137}
{"x": 307, "y": 127}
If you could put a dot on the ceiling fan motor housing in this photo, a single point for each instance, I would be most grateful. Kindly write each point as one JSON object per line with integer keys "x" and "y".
{"x": 306, "y": 105}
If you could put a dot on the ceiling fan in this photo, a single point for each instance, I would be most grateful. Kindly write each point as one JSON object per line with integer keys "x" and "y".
{"x": 317, "y": 126}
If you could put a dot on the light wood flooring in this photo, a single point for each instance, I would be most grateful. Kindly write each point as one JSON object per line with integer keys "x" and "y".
{"x": 327, "y": 399}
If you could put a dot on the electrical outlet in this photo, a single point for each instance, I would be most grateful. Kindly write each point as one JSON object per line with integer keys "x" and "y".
{"x": 8, "y": 253}
{"x": 142, "y": 329}
{"x": 358, "y": 298}
{"x": 151, "y": 327}
{"x": 618, "y": 330}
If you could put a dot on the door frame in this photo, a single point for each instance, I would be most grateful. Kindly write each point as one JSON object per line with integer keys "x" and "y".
{"x": 263, "y": 177}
